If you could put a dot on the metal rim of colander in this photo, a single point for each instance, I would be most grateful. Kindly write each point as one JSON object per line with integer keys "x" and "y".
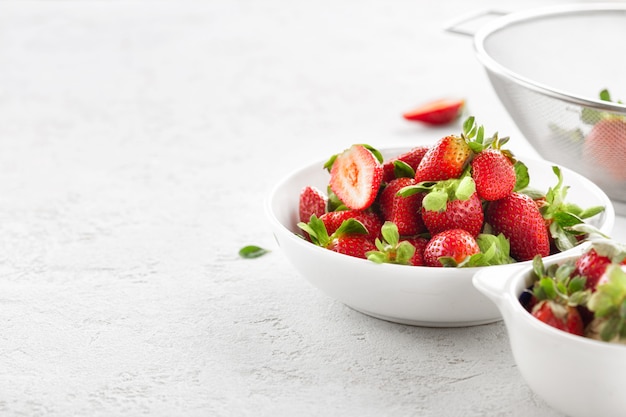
{"x": 502, "y": 22}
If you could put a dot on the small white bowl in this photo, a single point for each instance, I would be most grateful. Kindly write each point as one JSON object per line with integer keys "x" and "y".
{"x": 424, "y": 296}
{"x": 575, "y": 375}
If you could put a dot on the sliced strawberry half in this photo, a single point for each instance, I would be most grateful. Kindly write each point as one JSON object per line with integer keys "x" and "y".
{"x": 437, "y": 112}
{"x": 355, "y": 177}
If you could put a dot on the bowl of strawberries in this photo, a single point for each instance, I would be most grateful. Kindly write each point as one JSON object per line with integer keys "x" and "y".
{"x": 566, "y": 320}
{"x": 398, "y": 233}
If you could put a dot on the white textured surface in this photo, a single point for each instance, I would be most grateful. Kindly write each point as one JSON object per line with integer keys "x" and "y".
{"x": 137, "y": 141}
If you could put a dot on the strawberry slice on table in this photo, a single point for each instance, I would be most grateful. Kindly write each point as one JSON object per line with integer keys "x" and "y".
{"x": 312, "y": 201}
{"x": 450, "y": 248}
{"x": 356, "y": 175}
{"x": 518, "y": 218}
{"x": 437, "y": 112}
{"x": 404, "y": 212}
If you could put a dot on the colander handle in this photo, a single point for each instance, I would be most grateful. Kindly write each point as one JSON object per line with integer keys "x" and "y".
{"x": 460, "y": 24}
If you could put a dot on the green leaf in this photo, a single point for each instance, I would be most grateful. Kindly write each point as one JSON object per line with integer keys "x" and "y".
{"x": 521, "y": 174}
{"x": 328, "y": 165}
{"x": 252, "y": 251}
{"x": 391, "y": 249}
{"x": 465, "y": 188}
{"x": 605, "y": 95}
{"x": 402, "y": 170}
{"x": 421, "y": 187}
{"x": 374, "y": 151}
{"x": 435, "y": 200}
{"x": 468, "y": 124}
{"x": 316, "y": 230}
{"x": 494, "y": 250}
{"x": 334, "y": 203}
{"x": 591, "y": 211}
{"x": 390, "y": 233}
{"x": 350, "y": 227}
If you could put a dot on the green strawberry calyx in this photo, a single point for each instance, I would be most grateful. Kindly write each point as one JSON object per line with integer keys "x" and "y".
{"x": 562, "y": 215}
{"x": 439, "y": 193}
{"x": 319, "y": 235}
{"x": 557, "y": 283}
{"x": 608, "y": 303}
{"x": 391, "y": 249}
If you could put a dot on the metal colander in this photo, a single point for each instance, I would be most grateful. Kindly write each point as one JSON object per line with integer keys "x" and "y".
{"x": 548, "y": 66}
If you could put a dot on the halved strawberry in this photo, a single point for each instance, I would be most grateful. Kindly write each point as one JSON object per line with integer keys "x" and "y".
{"x": 450, "y": 248}
{"x": 355, "y": 176}
{"x": 437, "y": 112}
{"x": 312, "y": 201}
{"x": 404, "y": 212}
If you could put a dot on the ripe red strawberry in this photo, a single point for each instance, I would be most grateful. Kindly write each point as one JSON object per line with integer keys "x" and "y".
{"x": 355, "y": 177}
{"x": 454, "y": 245}
{"x": 562, "y": 317}
{"x": 312, "y": 201}
{"x": 349, "y": 239}
{"x": 437, "y": 112}
{"x": 446, "y": 159}
{"x": 464, "y": 214}
{"x": 420, "y": 245}
{"x": 494, "y": 174}
{"x": 593, "y": 263}
{"x": 403, "y": 211}
{"x": 558, "y": 296}
{"x": 592, "y": 266}
{"x": 334, "y": 219}
{"x": 412, "y": 158}
{"x": 604, "y": 148}
{"x": 356, "y": 246}
{"x": 518, "y": 218}
{"x": 450, "y": 204}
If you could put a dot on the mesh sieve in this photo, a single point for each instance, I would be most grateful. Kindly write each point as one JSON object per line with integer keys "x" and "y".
{"x": 547, "y": 67}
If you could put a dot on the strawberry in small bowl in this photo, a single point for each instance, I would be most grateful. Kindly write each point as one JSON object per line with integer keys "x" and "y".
{"x": 398, "y": 233}
{"x": 566, "y": 321}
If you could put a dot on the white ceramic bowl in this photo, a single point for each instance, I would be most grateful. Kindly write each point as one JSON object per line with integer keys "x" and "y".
{"x": 425, "y": 296}
{"x": 578, "y": 376}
